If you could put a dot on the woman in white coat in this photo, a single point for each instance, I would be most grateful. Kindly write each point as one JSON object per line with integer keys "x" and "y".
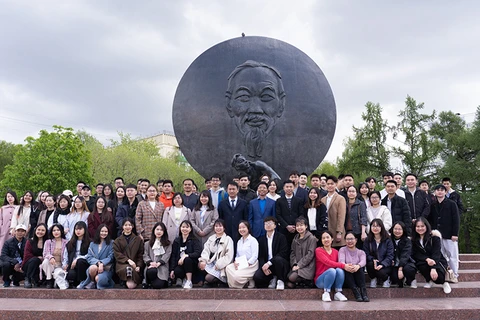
{"x": 174, "y": 215}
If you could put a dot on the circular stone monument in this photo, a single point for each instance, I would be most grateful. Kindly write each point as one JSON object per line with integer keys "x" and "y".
{"x": 254, "y": 104}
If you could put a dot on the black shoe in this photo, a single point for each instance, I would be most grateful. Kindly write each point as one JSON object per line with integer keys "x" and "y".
{"x": 49, "y": 284}
{"x": 27, "y": 284}
{"x": 145, "y": 286}
{"x": 364, "y": 294}
{"x": 357, "y": 294}
{"x": 6, "y": 284}
{"x": 222, "y": 284}
{"x": 16, "y": 283}
{"x": 207, "y": 285}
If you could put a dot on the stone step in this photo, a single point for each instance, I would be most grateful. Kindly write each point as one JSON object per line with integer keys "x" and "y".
{"x": 464, "y": 275}
{"x": 384, "y": 308}
{"x": 469, "y": 256}
{"x": 464, "y": 265}
{"x": 461, "y": 289}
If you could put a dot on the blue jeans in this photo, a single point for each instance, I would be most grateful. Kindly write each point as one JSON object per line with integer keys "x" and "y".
{"x": 330, "y": 277}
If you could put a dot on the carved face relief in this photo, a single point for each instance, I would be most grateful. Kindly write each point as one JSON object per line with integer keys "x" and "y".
{"x": 255, "y": 100}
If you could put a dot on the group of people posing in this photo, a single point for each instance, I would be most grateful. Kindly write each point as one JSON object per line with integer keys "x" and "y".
{"x": 325, "y": 235}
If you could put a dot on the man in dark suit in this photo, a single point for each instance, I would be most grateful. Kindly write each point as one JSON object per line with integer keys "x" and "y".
{"x": 273, "y": 255}
{"x": 397, "y": 205}
{"x": 233, "y": 210}
{"x": 288, "y": 209}
{"x": 259, "y": 209}
{"x": 416, "y": 198}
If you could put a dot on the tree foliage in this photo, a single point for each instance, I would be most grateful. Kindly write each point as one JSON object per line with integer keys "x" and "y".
{"x": 418, "y": 153}
{"x": 366, "y": 152}
{"x": 54, "y": 161}
{"x": 7, "y": 153}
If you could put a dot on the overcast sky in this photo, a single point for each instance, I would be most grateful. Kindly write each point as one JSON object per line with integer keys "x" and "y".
{"x": 108, "y": 66}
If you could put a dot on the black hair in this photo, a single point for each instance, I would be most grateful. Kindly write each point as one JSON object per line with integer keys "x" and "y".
{"x": 232, "y": 183}
{"x": 333, "y": 178}
{"x": 446, "y": 179}
{"x": 391, "y": 181}
{"x": 262, "y": 183}
{"x": 177, "y": 194}
{"x": 14, "y": 195}
{"x": 163, "y": 240}
{"x": 216, "y": 176}
{"x": 60, "y": 227}
{"x": 166, "y": 181}
{"x": 204, "y": 193}
{"x": 187, "y": 222}
{"x": 383, "y": 233}
{"x": 288, "y": 181}
{"x": 387, "y": 174}
{"x": 118, "y": 178}
{"x": 72, "y": 244}
{"x": 371, "y": 178}
{"x": 35, "y": 238}
{"x": 428, "y": 231}
{"x": 270, "y": 218}
{"x": 97, "y": 239}
{"x": 411, "y": 174}
{"x": 404, "y": 229}
{"x": 130, "y": 186}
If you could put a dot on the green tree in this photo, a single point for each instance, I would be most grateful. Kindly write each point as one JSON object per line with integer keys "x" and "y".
{"x": 366, "y": 153}
{"x": 418, "y": 153}
{"x": 459, "y": 151}
{"x": 7, "y": 153}
{"x": 54, "y": 161}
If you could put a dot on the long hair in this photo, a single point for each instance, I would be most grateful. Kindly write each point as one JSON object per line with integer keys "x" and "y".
{"x": 317, "y": 203}
{"x": 210, "y": 206}
{"x": 35, "y": 239}
{"x": 72, "y": 244}
{"x": 60, "y": 227}
{"x": 428, "y": 231}
{"x": 404, "y": 229}
{"x": 383, "y": 233}
{"x": 84, "y": 207}
{"x": 164, "y": 239}
{"x": 97, "y": 239}
{"x": 33, "y": 203}
{"x": 187, "y": 222}
{"x": 114, "y": 201}
{"x": 106, "y": 214}
{"x": 112, "y": 194}
{"x": 14, "y": 195}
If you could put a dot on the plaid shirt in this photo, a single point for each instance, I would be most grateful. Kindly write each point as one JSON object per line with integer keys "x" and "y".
{"x": 146, "y": 217}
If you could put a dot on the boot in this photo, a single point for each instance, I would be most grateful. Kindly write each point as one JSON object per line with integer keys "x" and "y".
{"x": 364, "y": 294}
{"x": 49, "y": 284}
{"x": 27, "y": 284}
{"x": 357, "y": 294}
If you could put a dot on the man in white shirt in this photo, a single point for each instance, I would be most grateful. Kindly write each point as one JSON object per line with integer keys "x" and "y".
{"x": 386, "y": 177}
{"x": 273, "y": 258}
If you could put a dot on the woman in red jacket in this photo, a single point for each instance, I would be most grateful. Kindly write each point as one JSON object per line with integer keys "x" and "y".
{"x": 328, "y": 271}
{"x": 101, "y": 214}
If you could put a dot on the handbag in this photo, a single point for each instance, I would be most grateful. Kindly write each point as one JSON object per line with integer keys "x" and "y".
{"x": 449, "y": 275}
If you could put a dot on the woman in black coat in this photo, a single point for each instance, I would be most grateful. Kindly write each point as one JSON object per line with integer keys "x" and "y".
{"x": 427, "y": 253}
{"x": 403, "y": 270}
{"x": 316, "y": 214}
{"x": 186, "y": 250}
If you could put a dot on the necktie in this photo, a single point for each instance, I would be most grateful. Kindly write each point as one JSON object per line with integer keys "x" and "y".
{"x": 233, "y": 204}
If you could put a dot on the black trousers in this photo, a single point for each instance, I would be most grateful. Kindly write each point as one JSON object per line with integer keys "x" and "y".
{"x": 189, "y": 266}
{"x": 32, "y": 269}
{"x": 409, "y": 272}
{"x": 8, "y": 271}
{"x": 79, "y": 273}
{"x": 425, "y": 269}
{"x": 381, "y": 274}
{"x": 279, "y": 269}
{"x": 356, "y": 279}
{"x": 152, "y": 278}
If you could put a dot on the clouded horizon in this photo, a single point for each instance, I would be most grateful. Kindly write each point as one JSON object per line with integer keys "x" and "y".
{"x": 108, "y": 66}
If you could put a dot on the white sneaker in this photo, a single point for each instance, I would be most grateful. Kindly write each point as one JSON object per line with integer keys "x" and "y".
{"x": 413, "y": 285}
{"x": 251, "y": 284}
{"x": 373, "y": 283}
{"x": 188, "y": 284}
{"x": 428, "y": 285}
{"x": 326, "y": 297}
{"x": 339, "y": 297}
{"x": 273, "y": 283}
{"x": 280, "y": 285}
{"x": 446, "y": 288}
{"x": 386, "y": 283}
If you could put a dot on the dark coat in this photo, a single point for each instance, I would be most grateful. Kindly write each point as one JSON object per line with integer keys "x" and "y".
{"x": 247, "y": 195}
{"x": 455, "y": 197}
{"x": 299, "y": 193}
{"x": 400, "y": 211}
{"x": 286, "y": 216}
{"x": 432, "y": 249}
{"x": 302, "y": 254}
{"x": 192, "y": 246}
{"x": 321, "y": 220}
{"x": 418, "y": 204}
{"x": 255, "y": 215}
{"x": 402, "y": 252}
{"x": 132, "y": 251}
{"x": 71, "y": 253}
{"x": 126, "y": 211}
{"x": 279, "y": 248}
{"x": 357, "y": 215}
{"x": 10, "y": 249}
{"x": 383, "y": 253}
{"x": 233, "y": 216}
{"x": 444, "y": 216}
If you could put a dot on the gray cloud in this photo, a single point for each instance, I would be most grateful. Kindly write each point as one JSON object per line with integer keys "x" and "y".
{"x": 114, "y": 65}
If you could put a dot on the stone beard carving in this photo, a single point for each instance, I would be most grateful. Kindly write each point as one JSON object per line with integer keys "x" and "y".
{"x": 255, "y": 99}
{"x": 254, "y": 169}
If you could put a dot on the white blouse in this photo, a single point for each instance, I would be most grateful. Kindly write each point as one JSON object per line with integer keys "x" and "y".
{"x": 248, "y": 247}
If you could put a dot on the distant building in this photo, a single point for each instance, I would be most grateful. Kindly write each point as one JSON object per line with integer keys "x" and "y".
{"x": 167, "y": 144}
